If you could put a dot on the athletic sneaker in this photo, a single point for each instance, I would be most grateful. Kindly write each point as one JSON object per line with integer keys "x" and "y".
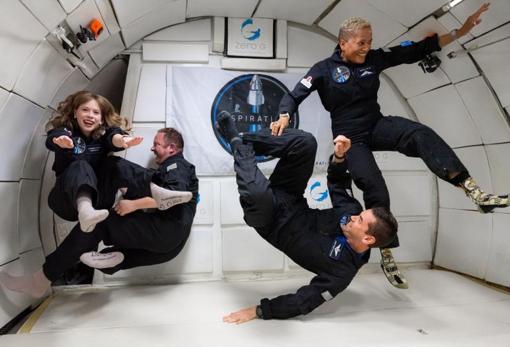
{"x": 166, "y": 198}
{"x": 391, "y": 270}
{"x": 486, "y": 202}
{"x": 102, "y": 260}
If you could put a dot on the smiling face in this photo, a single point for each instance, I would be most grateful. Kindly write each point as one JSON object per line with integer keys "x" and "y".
{"x": 88, "y": 116}
{"x": 356, "y": 230}
{"x": 356, "y": 47}
{"x": 162, "y": 149}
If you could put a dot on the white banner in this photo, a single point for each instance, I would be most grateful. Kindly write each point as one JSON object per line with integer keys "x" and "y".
{"x": 191, "y": 96}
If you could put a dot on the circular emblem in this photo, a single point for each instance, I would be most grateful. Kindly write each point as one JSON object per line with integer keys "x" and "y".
{"x": 253, "y": 101}
{"x": 248, "y": 32}
{"x": 318, "y": 194}
{"x": 79, "y": 145}
{"x": 341, "y": 74}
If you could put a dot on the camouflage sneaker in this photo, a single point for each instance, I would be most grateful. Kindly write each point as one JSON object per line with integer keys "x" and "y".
{"x": 486, "y": 202}
{"x": 391, "y": 270}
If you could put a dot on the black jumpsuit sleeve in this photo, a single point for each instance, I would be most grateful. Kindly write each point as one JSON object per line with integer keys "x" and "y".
{"x": 291, "y": 101}
{"x": 406, "y": 54}
{"x": 54, "y": 133}
{"x": 177, "y": 177}
{"x": 340, "y": 188}
{"x": 108, "y": 139}
{"x": 322, "y": 287}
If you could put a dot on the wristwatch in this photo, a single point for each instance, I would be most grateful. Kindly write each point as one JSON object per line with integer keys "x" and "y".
{"x": 454, "y": 33}
{"x": 285, "y": 115}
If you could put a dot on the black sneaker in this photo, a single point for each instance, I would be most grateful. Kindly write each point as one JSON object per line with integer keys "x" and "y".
{"x": 227, "y": 128}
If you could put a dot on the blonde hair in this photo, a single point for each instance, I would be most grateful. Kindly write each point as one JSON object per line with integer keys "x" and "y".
{"x": 64, "y": 117}
{"x": 350, "y": 26}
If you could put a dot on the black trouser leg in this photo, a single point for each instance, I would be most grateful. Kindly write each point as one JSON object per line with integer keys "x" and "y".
{"x": 140, "y": 257}
{"x": 69, "y": 251}
{"x": 121, "y": 173}
{"x": 78, "y": 177}
{"x": 367, "y": 177}
{"x": 296, "y": 150}
{"x": 417, "y": 140}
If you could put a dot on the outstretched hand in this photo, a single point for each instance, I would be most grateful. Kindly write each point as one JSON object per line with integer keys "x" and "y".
{"x": 64, "y": 141}
{"x": 474, "y": 19}
{"x": 342, "y": 145}
{"x": 130, "y": 141}
{"x": 241, "y": 316}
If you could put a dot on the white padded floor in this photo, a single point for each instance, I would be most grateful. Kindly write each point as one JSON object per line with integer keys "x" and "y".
{"x": 440, "y": 309}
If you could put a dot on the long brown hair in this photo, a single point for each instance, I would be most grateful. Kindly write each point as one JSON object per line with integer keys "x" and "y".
{"x": 64, "y": 117}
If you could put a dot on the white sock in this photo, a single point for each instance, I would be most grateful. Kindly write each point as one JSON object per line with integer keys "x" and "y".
{"x": 166, "y": 198}
{"x": 35, "y": 285}
{"x": 98, "y": 260}
{"x": 88, "y": 216}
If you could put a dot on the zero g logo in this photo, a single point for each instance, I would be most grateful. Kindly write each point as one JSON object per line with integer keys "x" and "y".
{"x": 253, "y": 101}
{"x": 247, "y": 30}
{"x": 317, "y": 193}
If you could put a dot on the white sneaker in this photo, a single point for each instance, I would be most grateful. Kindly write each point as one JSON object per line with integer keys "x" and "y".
{"x": 98, "y": 260}
{"x": 166, "y": 198}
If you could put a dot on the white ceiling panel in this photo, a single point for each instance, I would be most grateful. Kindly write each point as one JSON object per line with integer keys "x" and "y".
{"x": 37, "y": 153}
{"x": 484, "y": 110}
{"x": 82, "y": 16}
{"x": 74, "y": 82}
{"x": 28, "y": 216}
{"x": 205, "y": 206}
{"x": 305, "y": 48}
{"x": 230, "y": 202}
{"x": 221, "y": 8}
{"x": 443, "y": 110}
{"x": 498, "y": 13}
{"x": 49, "y": 12}
{"x": 498, "y": 267}
{"x": 409, "y": 78}
{"x": 404, "y": 188}
{"x": 302, "y": 11}
{"x": 391, "y": 101}
{"x": 44, "y": 71}
{"x": 106, "y": 10}
{"x": 4, "y": 95}
{"x": 417, "y": 239}
{"x": 69, "y": 5}
{"x": 88, "y": 67}
{"x": 9, "y": 247}
{"x": 19, "y": 118}
{"x": 128, "y": 11}
{"x": 192, "y": 31}
{"x": 465, "y": 246}
{"x": 178, "y": 52}
{"x": 475, "y": 160}
{"x": 407, "y": 12}
{"x": 171, "y": 13}
{"x": 151, "y": 98}
{"x": 384, "y": 28}
{"x": 107, "y": 50}
{"x": 500, "y": 168}
{"x": 492, "y": 37}
{"x": 493, "y": 61}
{"x": 21, "y": 33}
{"x": 450, "y": 22}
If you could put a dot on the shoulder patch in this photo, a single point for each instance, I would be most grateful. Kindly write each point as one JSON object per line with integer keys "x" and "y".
{"x": 171, "y": 167}
{"x": 307, "y": 82}
{"x": 406, "y": 43}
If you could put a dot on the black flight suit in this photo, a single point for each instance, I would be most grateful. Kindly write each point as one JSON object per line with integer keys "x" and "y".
{"x": 79, "y": 169}
{"x": 349, "y": 92}
{"x": 145, "y": 238}
{"x": 278, "y": 211}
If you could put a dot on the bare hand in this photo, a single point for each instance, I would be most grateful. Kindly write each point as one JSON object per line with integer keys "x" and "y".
{"x": 124, "y": 207}
{"x": 241, "y": 316}
{"x": 342, "y": 145}
{"x": 280, "y": 125}
{"x": 130, "y": 141}
{"x": 474, "y": 19}
{"x": 64, "y": 141}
